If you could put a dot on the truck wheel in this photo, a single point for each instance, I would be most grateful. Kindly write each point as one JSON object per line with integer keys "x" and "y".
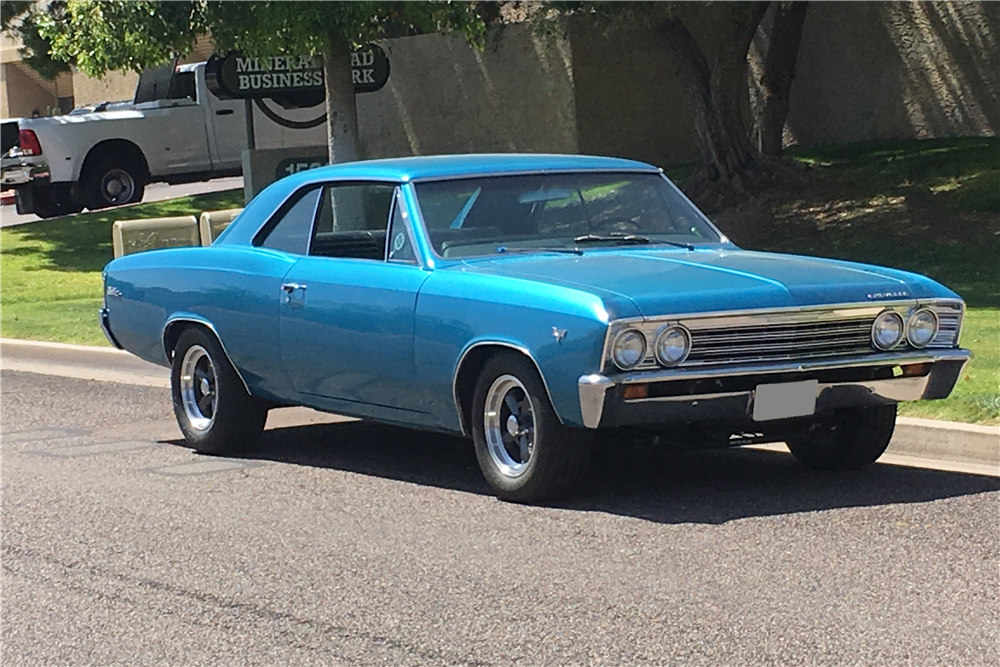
{"x": 524, "y": 451}
{"x": 848, "y": 440}
{"x": 113, "y": 182}
{"x": 213, "y": 408}
{"x": 53, "y": 202}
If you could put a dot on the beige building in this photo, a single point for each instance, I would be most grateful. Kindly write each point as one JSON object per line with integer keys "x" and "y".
{"x": 24, "y": 91}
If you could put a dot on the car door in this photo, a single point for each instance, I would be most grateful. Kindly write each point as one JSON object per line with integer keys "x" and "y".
{"x": 347, "y": 307}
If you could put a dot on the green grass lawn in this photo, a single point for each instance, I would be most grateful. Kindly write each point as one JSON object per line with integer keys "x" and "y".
{"x": 927, "y": 206}
{"x": 50, "y": 271}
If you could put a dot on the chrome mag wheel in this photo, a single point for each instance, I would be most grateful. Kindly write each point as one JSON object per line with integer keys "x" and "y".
{"x": 198, "y": 387}
{"x": 509, "y": 425}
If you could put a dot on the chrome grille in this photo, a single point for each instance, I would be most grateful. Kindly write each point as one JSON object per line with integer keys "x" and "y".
{"x": 787, "y": 334}
{"x": 780, "y": 342}
{"x": 949, "y": 325}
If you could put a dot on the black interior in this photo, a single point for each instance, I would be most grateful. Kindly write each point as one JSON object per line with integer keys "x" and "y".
{"x": 357, "y": 244}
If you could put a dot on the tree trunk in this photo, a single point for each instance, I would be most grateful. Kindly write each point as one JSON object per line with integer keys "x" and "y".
{"x": 713, "y": 93}
{"x": 341, "y": 107}
{"x": 777, "y": 74}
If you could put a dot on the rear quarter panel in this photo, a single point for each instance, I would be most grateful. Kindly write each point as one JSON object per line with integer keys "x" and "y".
{"x": 235, "y": 289}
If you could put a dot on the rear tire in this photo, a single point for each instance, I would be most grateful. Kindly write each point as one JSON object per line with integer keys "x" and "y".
{"x": 113, "y": 182}
{"x": 524, "y": 451}
{"x": 849, "y": 440}
{"x": 213, "y": 409}
{"x": 53, "y": 201}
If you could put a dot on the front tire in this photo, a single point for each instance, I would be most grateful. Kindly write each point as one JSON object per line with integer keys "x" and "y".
{"x": 524, "y": 451}
{"x": 213, "y": 409}
{"x": 849, "y": 440}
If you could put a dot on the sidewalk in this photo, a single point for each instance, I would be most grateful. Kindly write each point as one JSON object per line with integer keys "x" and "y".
{"x": 965, "y": 447}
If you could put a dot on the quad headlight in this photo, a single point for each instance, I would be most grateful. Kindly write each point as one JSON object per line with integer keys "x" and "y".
{"x": 672, "y": 345}
{"x": 922, "y": 328}
{"x": 628, "y": 349}
{"x": 888, "y": 330}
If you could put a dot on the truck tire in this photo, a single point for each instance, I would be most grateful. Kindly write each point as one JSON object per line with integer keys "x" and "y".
{"x": 50, "y": 201}
{"x": 113, "y": 182}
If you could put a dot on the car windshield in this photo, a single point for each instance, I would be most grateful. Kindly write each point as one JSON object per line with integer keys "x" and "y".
{"x": 558, "y": 212}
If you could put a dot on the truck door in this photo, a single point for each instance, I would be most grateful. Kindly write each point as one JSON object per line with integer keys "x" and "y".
{"x": 226, "y": 123}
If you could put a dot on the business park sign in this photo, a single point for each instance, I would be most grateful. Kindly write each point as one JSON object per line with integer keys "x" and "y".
{"x": 236, "y": 76}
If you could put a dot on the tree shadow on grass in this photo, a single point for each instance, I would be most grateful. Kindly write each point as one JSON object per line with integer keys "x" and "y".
{"x": 709, "y": 487}
{"x": 82, "y": 243}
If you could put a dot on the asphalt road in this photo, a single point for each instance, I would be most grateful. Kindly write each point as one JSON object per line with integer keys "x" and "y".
{"x": 9, "y": 216}
{"x": 351, "y": 543}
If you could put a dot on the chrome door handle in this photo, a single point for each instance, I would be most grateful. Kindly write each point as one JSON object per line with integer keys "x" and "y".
{"x": 289, "y": 289}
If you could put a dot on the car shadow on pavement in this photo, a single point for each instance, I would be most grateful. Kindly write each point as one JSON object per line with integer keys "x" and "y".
{"x": 654, "y": 484}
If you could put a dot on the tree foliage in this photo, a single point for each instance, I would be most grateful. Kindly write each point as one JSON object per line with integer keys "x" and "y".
{"x": 707, "y": 44}
{"x": 19, "y": 18}
{"x": 106, "y": 35}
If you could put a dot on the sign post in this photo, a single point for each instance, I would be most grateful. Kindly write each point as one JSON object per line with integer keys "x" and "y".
{"x": 293, "y": 82}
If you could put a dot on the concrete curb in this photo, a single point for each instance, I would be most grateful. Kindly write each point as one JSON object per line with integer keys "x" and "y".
{"x": 913, "y": 438}
{"x": 952, "y": 441}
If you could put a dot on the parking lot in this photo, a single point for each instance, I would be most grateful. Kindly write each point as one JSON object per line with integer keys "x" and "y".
{"x": 342, "y": 542}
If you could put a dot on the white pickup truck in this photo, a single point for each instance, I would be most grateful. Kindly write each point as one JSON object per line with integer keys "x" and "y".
{"x": 175, "y": 131}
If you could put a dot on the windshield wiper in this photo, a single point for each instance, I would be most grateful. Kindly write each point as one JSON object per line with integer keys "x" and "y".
{"x": 628, "y": 239}
{"x": 569, "y": 251}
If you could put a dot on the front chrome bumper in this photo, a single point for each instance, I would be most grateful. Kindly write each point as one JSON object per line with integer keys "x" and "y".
{"x": 693, "y": 395}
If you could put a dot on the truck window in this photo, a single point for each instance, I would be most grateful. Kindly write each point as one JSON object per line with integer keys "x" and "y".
{"x": 182, "y": 87}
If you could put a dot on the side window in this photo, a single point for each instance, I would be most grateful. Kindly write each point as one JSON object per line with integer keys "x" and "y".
{"x": 399, "y": 244}
{"x": 352, "y": 220}
{"x": 294, "y": 228}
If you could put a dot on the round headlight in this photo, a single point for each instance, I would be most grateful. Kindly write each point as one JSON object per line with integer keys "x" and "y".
{"x": 887, "y": 332}
{"x": 672, "y": 345}
{"x": 629, "y": 349}
{"x": 922, "y": 328}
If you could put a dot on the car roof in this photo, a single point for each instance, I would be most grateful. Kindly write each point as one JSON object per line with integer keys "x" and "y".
{"x": 428, "y": 167}
{"x": 405, "y": 169}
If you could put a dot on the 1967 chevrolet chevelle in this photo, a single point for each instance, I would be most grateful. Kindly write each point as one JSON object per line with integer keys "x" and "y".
{"x": 530, "y": 302}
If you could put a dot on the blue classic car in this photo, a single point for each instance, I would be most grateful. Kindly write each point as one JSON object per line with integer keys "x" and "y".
{"x": 530, "y": 302}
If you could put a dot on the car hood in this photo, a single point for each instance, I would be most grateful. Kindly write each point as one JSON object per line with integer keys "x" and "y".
{"x": 679, "y": 281}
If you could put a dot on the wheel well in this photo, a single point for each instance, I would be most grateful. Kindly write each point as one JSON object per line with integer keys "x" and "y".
{"x": 172, "y": 334}
{"x": 119, "y": 149}
{"x": 468, "y": 372}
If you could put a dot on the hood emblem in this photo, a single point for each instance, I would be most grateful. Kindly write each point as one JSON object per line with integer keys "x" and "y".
{"x": 888, "y": 295}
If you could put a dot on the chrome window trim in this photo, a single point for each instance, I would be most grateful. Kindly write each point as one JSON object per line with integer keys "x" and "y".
{"x": 321, "y": 182}
{"x": 400, "y": 205}
{"x": 532, "y": 172}
{"x": 777, "y": 316}
{"x": 467, "y": 429}
{"x": 208, "y": 325}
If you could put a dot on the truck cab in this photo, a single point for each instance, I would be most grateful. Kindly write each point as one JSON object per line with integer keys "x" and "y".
{"x": 174, "y": 130}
